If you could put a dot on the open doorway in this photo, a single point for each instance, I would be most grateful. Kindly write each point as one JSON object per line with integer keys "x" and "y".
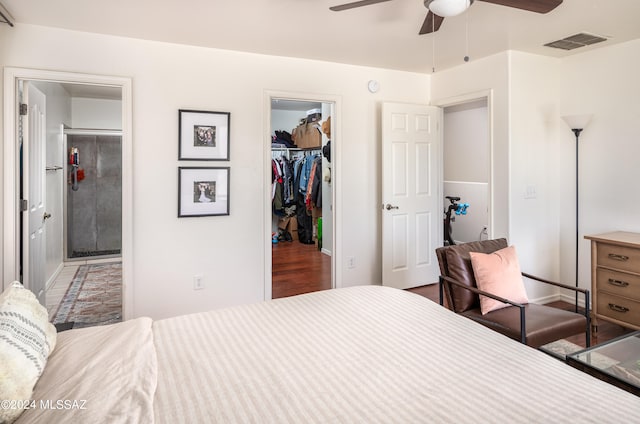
{"x": 467, "y": 168}
{"x": 49, "y": 163}
{"x": 302, "y": 196}
{"x": 77, "y": 275}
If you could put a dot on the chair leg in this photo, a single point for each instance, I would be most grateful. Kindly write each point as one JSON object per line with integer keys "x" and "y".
{"x": 523, "y": 326}
{"x": 441, "y": 289}
{"x": 587, "y": 314}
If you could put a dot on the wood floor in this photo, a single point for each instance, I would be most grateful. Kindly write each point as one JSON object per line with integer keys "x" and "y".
{"x": 299, "y": 268}
{"x": 606, "y": 330}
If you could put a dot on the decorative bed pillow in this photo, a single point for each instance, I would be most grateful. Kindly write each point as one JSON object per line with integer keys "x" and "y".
{"x": 26, "y": 339}
{"x": 498, "y": 273}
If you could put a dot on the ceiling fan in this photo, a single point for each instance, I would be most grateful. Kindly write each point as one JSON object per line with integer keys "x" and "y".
{"x": 440, "y": 9}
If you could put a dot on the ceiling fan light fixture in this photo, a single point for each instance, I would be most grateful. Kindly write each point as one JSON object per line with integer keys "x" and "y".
{"x": 447, "y": 8}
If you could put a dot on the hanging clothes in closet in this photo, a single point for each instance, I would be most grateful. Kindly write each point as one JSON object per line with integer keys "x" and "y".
{"x": 306, "y": 175}
{"x": 282, "y": 186}
{"x": 297, "y": 192}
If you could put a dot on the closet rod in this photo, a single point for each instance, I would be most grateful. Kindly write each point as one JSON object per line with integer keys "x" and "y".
{"x": 297, "y": 149}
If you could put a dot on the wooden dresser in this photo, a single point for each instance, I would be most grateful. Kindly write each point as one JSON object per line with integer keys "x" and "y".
{"x": 615, "y": 278}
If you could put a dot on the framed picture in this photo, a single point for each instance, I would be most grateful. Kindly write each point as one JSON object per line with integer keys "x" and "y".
{"x": 203, "y": 135}
{"x": 203, "y": 191}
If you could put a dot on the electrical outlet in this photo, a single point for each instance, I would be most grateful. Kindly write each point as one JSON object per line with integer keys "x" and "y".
{"x": 198, "y": 283}
{"x": 351, "y": 262}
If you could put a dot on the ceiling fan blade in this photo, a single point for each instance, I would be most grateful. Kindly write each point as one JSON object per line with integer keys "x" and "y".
{"x": 431, "y": 23}
{"x": 538, "y": 6}
{"x": 355, "y": 4}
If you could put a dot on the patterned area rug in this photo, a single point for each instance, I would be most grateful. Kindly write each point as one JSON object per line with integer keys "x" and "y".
{"x": 94, "y": 297}
{"x": 561, "y": 348}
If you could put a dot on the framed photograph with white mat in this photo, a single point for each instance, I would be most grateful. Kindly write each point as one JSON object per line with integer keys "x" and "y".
{"x": 203, "y": 135}
{"x": 203, "y": 191}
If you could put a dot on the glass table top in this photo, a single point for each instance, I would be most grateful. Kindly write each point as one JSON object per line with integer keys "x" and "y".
{"x": 619, "y": 358}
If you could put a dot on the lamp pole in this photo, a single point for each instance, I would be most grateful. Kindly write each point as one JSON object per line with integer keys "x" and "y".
{"x": 577, "y": 132}
{"x": 577, "y": 123}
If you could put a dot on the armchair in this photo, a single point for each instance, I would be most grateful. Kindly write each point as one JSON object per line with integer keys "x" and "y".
{"x": 531, "y": 324}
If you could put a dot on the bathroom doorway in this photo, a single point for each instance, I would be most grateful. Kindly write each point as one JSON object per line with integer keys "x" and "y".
{"x": 73, "y": 101}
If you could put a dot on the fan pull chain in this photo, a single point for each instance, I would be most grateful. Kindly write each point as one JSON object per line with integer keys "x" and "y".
{"x": 433, "y": 45}
{"x": 466, "y": 56}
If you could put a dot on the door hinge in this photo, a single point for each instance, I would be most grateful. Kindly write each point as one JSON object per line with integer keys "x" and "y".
{"x": 24, "y": 205}
{"x": 23, "y": 109}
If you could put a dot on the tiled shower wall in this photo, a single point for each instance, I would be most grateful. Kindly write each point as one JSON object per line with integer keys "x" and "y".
{"x": 94, "y": 211}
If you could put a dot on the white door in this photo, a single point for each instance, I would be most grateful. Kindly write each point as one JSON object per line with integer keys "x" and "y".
{"x": 33, "y": 174}
{"x": 412, "y": 209}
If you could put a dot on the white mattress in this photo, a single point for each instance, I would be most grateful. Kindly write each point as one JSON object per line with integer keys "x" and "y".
{"x": 365, "y": 354}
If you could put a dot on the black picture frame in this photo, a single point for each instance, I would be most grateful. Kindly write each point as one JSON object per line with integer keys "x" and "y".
{"x": 203, "y": 191}
{"x": 203, "y": 135}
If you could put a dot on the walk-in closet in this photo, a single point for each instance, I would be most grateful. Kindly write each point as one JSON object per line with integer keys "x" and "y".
{"x": 301, "y": 200}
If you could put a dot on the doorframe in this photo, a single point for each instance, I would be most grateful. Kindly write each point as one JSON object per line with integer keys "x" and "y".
{"x": 468, "y": 98}
{"x": 11, "y": 193}
{"x": 336, "y": 172}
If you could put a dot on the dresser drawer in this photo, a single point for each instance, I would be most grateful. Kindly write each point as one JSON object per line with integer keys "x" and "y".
{"x": 618, "y": 283}
{"x": 619, "y": 257}
{"x": 619, "y": 308}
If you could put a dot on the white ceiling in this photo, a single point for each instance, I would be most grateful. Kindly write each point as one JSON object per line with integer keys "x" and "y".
{"x": 384, "y": 35}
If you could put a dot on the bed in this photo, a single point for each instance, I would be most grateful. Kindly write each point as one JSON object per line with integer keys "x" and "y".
{"x": 362, "y": 354}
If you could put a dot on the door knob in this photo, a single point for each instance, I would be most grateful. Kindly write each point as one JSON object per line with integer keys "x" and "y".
{"x": 46, "y": 216}
{"x": 390, "y": 206}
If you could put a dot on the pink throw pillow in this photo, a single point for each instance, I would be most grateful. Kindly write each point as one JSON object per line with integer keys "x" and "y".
{"x": 498, "y": 273}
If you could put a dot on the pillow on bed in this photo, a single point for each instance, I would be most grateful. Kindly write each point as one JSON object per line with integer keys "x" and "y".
{"x": 26, "y": 339}
{"x": 498, "y": 273}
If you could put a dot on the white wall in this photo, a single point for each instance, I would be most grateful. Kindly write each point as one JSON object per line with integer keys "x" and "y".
{"x": 603, "y": 82}
{"x": 98, "y": 114}
{"x": 286, "y": 120}
{"x": 466, "y": 142}
{"x": 228, "y": 250}
{"x": 536, "y": 158}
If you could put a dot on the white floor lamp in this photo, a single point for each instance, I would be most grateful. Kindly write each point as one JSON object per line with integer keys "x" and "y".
{"x": 577, "y": 123}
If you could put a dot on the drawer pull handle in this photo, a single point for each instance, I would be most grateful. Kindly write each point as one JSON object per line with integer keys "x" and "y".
{"x": 617, "y": 257}
{"x": 618, "y": 283}
{"x": 618, "y": 308}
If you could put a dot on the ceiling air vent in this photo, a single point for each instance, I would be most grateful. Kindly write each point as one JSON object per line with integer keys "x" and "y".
{"x": 575, "y": 41}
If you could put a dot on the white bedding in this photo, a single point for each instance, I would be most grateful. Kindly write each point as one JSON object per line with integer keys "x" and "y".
{"x": 365, "y": 354}
{"x": 103, "y": 374}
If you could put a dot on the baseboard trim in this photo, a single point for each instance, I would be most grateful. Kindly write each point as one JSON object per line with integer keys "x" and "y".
{"x": 53, "y": 277}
